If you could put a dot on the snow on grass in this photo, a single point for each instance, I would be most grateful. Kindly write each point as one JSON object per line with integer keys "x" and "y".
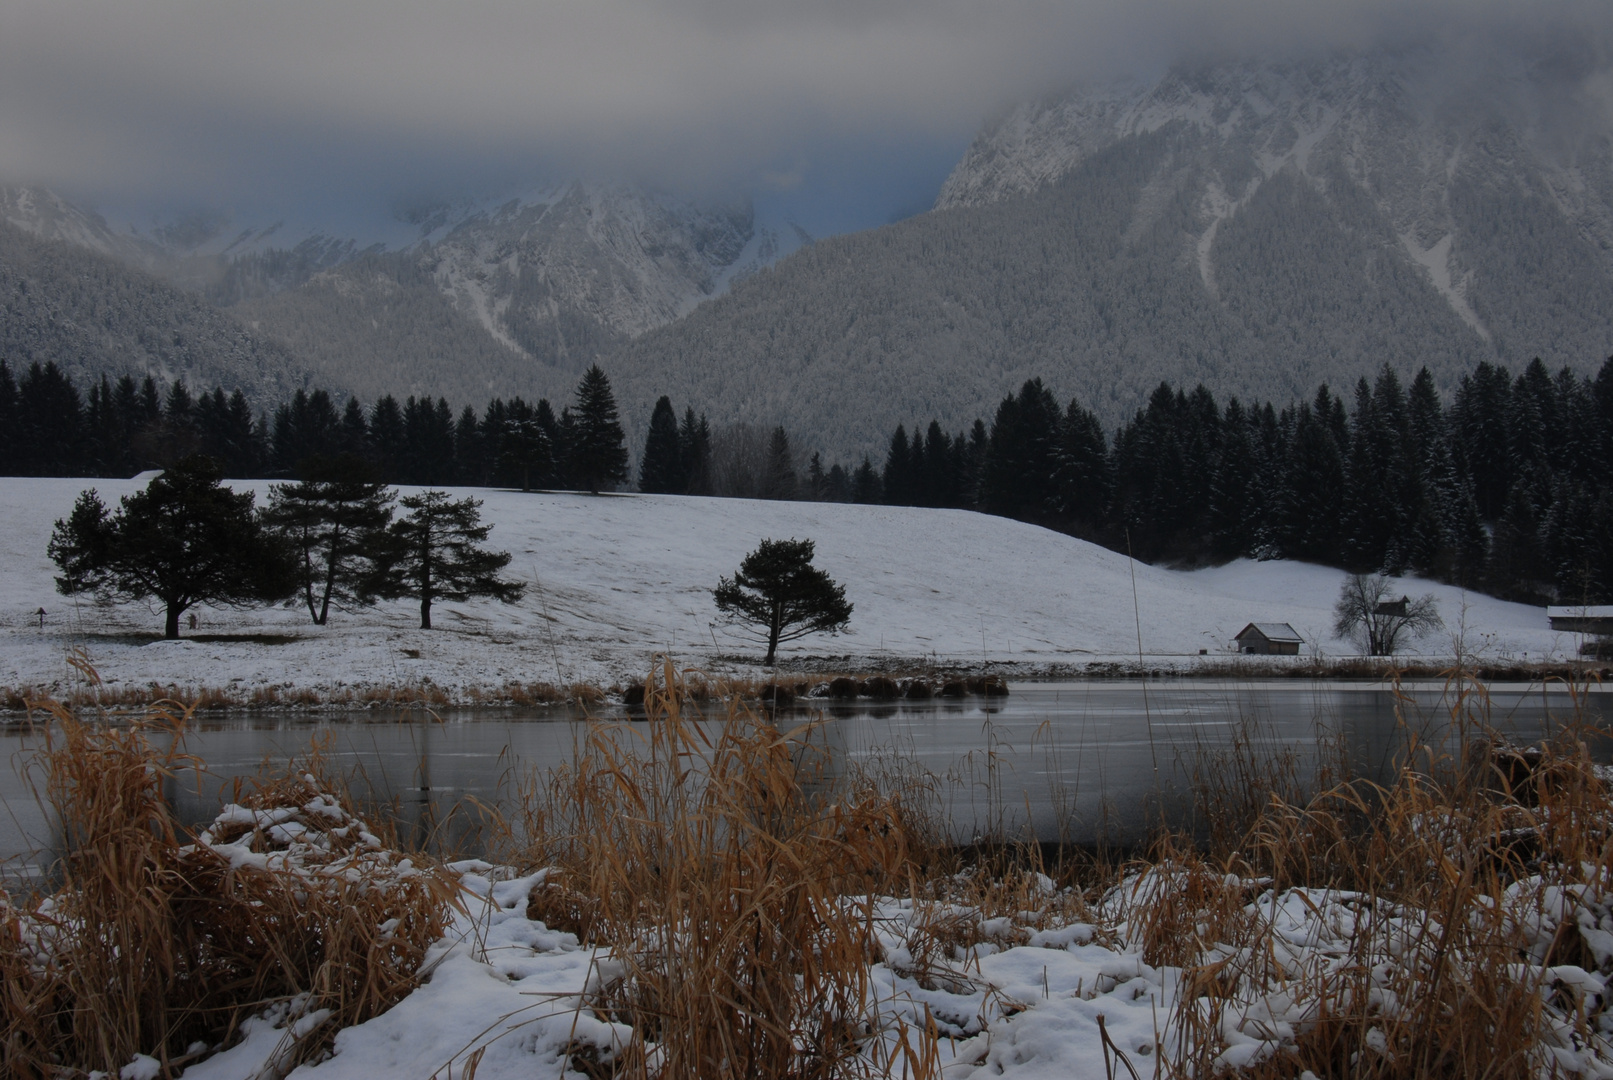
{"x": 614, "y": 579}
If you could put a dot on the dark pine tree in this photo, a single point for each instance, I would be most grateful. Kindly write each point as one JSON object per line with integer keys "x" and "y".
{"x": 1235, "y": 507}
{"x": 694, "y": 447}
{"x": 470, "y": 464}
{"x": 1483, "y": 442}
{"x": 898, "y": 480}
{"x": 595, "y": 450}
{"x": 333, "y": 519}
{"x": 526, "y": 452}
{"x": 435, "y": 553}
{"x": 1081, "y": 479}
{"x": 50, "y": 424}
{"x": 660, "y": 470}
{"x": 779, "y": 481}
{"x": 428, "y": 441}
{"x": 781, "y": 596}
{"x": 10, "y": 463}
{"x": 865, "y": 485}
{"x": 387, "y": 438}
{"x": 1022, "y": 454}
{"x": 183, "y": 540}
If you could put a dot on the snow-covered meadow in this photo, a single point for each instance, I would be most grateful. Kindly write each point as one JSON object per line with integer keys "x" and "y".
{"x": 614, "y": 579}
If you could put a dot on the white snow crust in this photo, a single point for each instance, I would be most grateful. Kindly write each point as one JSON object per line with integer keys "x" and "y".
{"x": 615, "y": 579}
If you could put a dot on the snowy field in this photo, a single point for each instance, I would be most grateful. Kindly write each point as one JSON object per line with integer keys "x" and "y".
{"x": 614, "y": 579}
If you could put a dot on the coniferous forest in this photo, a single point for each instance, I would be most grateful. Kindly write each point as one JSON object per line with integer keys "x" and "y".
{"x": 1506, "y": 488}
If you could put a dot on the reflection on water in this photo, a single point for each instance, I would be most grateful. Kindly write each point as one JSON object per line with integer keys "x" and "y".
{"x": 1071, "y": 760}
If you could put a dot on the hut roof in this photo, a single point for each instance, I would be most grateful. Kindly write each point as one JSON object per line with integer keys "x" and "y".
{"x": 1272, "y": 631}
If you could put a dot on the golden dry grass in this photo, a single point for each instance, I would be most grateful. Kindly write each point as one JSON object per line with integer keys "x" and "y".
{"x": 155, "y": 944}
{"x": 1429, "y": 894}
{"x": 730, "y": 877}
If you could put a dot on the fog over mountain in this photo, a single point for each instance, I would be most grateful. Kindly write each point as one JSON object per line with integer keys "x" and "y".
{"x": 1257, "y": 226}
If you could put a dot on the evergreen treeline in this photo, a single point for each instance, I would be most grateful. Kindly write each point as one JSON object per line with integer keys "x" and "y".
{"x": 1507, "y": 489}
{"x": 49, "y": 428}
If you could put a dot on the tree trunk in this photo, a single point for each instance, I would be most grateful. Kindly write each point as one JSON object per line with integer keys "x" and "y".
{"x": 425, "y": 613}
{"x": 773, "y": 630}
{"x": 170, "y": 629}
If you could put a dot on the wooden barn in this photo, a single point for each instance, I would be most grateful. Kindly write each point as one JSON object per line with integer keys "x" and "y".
{"x": 1269, "y": 639}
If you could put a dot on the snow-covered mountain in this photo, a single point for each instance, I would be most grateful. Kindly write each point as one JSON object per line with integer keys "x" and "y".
{"x": 1414, "y": 134}
{"x": 469, "y": 297}
{"x": 1259, "y": 227}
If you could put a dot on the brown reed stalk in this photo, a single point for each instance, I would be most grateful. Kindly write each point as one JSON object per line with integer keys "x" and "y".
{"x": 156, "y": 944}
{"x": 725, "y": 867}
{"x": 1440, "y": 872}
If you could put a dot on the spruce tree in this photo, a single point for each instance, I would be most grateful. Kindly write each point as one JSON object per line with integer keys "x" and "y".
{"x": 1022, "y": 454}
{"x": 896, "y": 482}
{"x": 526, "y": 451}
{"x": 1081, "y": 478}
{"x": 595, "y": 453}
{"x": 779, "y": 481}
{"x": 817, "y": 479}
{"x": 386, "y": 438}
{"x": 435, "y": 553}
{"x": 865, "y": 484}
{"x": 334, "y": 519}
{"x": 694, "y": 448}
{"x": 10, "y": 464}
{"x": 1234, "y": 494}
{"x": 470, "y": 465}
{"x": 661, "y": 465}
{"x": 50, "y": 423}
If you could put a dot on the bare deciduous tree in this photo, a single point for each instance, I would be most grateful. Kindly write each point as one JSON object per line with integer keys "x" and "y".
{"x": 1367, "y": 613}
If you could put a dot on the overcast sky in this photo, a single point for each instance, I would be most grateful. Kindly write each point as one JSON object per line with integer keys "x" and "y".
{"x": 859, "y": 105}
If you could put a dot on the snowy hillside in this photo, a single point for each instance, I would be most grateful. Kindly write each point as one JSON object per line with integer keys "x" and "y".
{"x": 614, "y": 579}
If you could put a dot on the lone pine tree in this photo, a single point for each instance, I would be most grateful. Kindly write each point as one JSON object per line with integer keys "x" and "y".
{"x": 435, "y": 553}
{"x": 661, "y": 469}
{"x": 333, "y": 519}
{"x": 781, "y": 596}
{"x": 596, "y": 453}
{"x": 184, "y": 540}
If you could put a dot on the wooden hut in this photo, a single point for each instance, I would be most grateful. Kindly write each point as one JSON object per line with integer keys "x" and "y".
{"x": 1579, "y": 619}
{"x": 1269, "y": 639}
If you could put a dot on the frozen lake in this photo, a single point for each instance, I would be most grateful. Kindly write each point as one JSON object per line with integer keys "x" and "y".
{"x": 1074, "y": 760}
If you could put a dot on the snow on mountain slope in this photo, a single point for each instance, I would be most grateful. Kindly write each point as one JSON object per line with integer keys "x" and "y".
{"x": 614, "y": 579}
{"x": 1410, "y": 130}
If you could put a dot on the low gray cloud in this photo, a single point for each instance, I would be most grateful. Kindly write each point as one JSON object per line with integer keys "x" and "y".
{"x": 325, "y": 98}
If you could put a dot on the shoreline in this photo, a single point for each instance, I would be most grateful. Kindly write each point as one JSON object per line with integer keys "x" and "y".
{"x": 801, "y": 681}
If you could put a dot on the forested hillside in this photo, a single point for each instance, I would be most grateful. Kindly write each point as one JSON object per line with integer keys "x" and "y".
{"x": 90, "y": 315}
{"x": 1259, "y": 227}
{"x": 380, "y": 324}
{"x": 1087, "y": 284}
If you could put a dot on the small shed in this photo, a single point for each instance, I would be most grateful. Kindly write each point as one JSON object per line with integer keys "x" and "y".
{"x": 1401, "y": 607}
{"x": 1580, "y": 619}
{"x": 1269, "y": 639}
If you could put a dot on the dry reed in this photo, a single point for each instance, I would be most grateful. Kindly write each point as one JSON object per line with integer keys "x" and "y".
{"x": 1449, "y": 923}
{"x": 730, "y": 877}
{"x": 159, "y": 943}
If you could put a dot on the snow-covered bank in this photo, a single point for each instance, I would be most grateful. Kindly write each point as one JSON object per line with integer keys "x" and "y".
{"x": 615, "y": 579}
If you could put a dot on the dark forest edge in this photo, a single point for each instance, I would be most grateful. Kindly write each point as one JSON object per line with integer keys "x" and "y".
{"x": 1508, "y": 489}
